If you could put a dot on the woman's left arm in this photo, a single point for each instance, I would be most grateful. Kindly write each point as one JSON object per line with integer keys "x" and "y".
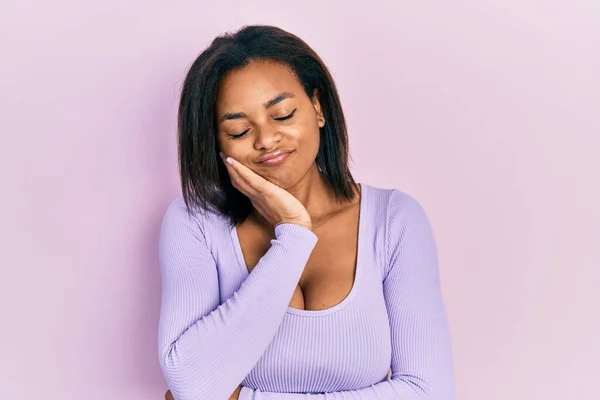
{"x": 421, "y": 342}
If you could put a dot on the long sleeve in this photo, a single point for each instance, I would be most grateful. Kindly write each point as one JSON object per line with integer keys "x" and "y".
{"x": 205, "y": 348}
{"x": 421, "y": 343}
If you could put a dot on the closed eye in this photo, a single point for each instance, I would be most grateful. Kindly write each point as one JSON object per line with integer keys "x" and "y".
{"x": 284, "y": 118}
{"x": 238, "y": 136}
{"x": 290, "y": 115}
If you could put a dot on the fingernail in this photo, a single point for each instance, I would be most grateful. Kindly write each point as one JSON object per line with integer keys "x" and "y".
{"x": 229, "y": 160}
{"x": 221, "y": 154}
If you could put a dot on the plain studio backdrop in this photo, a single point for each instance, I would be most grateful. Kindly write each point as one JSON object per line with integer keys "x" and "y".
{"x": 488, "y": 112}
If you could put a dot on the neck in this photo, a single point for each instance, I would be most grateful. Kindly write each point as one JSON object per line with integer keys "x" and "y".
{"x": 314, "y": 193}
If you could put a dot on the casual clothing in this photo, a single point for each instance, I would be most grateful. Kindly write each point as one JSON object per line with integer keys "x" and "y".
{"x": 221, "y": 326}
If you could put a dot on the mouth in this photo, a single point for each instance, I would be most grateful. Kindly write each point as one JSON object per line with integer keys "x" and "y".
{"x": 276, "y": 158}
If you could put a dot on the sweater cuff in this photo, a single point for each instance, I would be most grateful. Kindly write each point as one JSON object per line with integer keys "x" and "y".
{"x": 295, "y": 232}
{"x": 246, "y": 393}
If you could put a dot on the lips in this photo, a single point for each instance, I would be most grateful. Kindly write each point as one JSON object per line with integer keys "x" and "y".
{"x": 275, "y": 157}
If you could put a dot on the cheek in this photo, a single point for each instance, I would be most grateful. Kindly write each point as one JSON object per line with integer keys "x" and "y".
{"x": 311, "y": 136}
{"x": 230, "y": 147}
{"x": 308, "y": 130}
{"x": 241, "y": 150}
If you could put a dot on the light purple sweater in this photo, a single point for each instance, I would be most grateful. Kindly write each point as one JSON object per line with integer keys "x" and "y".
{"x": 221, "y": 326}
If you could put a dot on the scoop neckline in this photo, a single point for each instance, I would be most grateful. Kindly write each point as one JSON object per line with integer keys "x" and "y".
{"x": 357, "y": 272}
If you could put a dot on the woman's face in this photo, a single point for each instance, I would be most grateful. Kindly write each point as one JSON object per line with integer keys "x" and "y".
{"x": 261, "y": 109}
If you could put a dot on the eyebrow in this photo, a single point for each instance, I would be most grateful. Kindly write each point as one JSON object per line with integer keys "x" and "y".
{"x": 270, "y": 103}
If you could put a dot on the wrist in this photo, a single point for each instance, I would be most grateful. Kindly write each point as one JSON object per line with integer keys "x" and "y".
{"x": 307, "y": 225}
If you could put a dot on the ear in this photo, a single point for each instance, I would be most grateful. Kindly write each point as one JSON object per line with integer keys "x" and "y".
{"x": 316, "y": 100}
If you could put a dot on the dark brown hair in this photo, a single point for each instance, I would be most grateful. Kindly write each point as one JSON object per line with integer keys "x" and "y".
{"x": 204, "y": 179}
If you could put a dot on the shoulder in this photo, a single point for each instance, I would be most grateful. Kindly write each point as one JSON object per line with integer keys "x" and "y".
{"x": 405, "y": 228}
{"x": 178, "y": 213}
{"x": 179, "y": 209}
{"x": 408, "y": 226}
{"x": 397, "y": 212}
{"x": 404, "y": 208}
{"x": 178, "y": 217}
{"x": 395, "y": 204}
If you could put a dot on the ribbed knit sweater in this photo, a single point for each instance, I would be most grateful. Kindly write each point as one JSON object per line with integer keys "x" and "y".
{"x": 222, "y": 326}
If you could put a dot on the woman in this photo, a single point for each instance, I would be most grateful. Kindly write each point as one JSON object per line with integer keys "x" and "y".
{"x": 282, "y": 277}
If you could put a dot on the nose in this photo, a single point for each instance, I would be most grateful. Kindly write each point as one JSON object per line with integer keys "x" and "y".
{"x": 266, "y": 137}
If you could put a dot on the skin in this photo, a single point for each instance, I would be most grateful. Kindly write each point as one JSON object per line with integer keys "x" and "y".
{"x": 266, "y": 102}
{"x": 245, "y": 107}
{"x": 246, "y": 91}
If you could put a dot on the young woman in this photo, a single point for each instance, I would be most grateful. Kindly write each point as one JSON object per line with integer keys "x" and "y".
{"x": 282, "y": 277}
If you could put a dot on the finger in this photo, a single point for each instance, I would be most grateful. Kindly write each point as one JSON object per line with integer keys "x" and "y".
{"x": 239, "y": 182}
{"x": 251, "y": 178}
{"x": 242, "y": 174}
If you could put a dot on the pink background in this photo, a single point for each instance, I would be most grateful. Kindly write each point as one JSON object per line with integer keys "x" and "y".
{"x": 488, "y": 112}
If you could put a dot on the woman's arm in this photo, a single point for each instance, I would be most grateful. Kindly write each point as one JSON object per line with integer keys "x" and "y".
{"x": 206, "y": 348}
{"x": 421, "y": 344}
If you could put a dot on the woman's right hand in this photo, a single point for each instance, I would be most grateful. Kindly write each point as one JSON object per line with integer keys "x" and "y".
{"x": 274, "y": 203}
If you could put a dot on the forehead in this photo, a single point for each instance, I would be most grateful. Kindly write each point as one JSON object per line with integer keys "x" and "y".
{"x": 256, "y": 83}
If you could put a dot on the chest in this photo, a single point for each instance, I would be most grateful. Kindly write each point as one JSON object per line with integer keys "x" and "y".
{"x": 347, "y": 350}
{"x": 330, "y": 271}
